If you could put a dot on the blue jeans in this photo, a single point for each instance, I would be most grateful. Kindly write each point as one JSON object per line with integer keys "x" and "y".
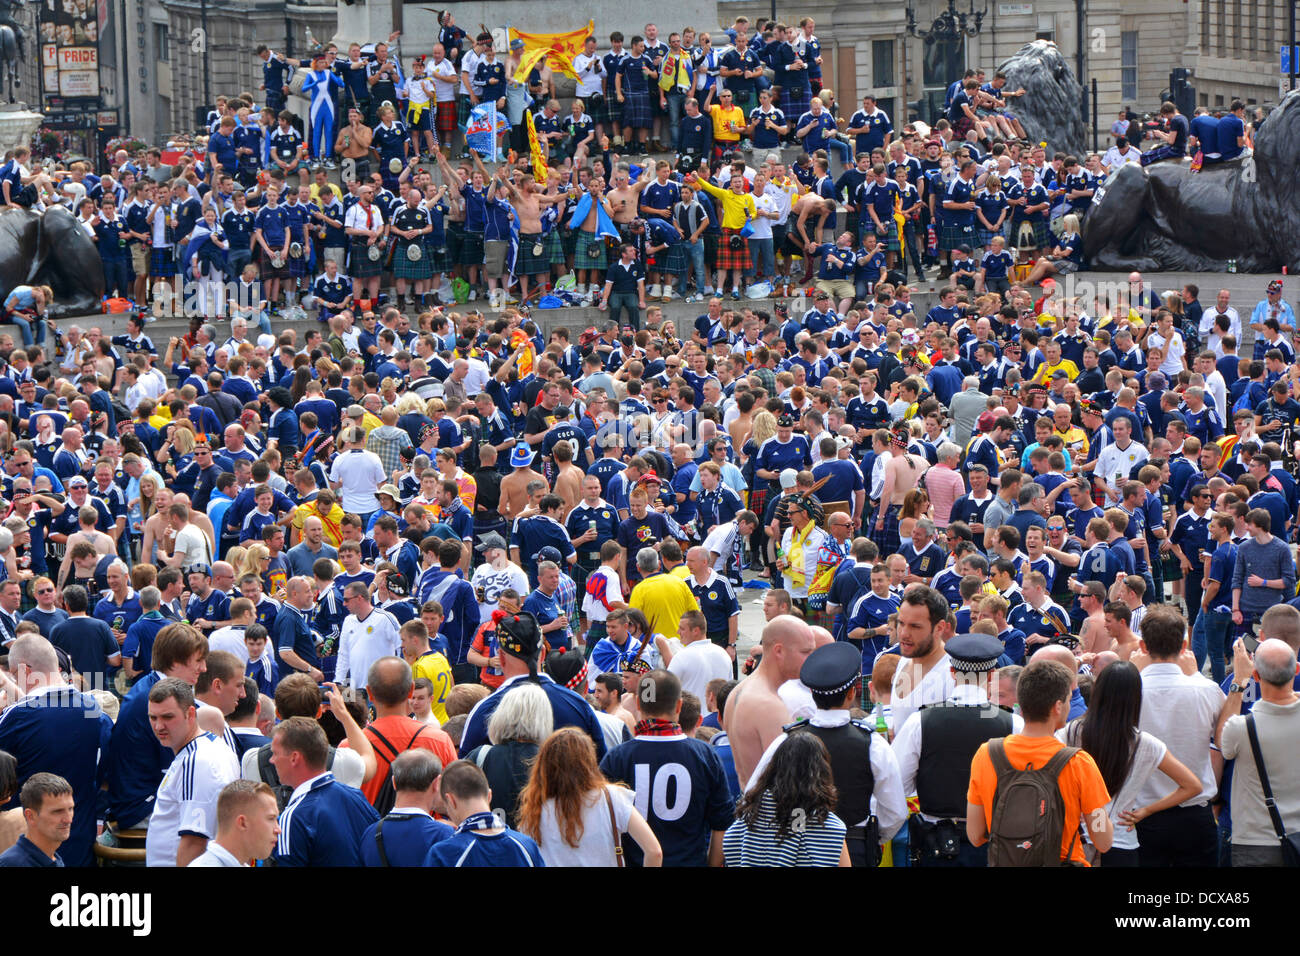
{"x": 676, "y": 107}
{"x": 762, "y": 255}
{"x": 25, "y": 327}
{"x": 841, "y": 147}
{"x": 1212, "y": 636}
{"x": 696, "y": 251}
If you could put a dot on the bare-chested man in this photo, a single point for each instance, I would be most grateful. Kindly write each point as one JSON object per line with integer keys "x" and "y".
{"x": 1123, "y": 641}
{"x": 608, "y": 699}
{"x": 1093, "y": 636}
{"x": 514, "y": 486}
{"x": 809, "y": 206}
{"x": 903, "y": 472}
{"x": 568, "y": 480}
{"x": 528, "y": 199}
{"x": 624, "y": 197}
{"x": 755, "y": 712}
{"x": 591, "y": 279}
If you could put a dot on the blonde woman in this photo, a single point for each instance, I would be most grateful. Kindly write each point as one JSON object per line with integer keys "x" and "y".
{"x": 764, "y": 428}
{"x": 1065, "y": 258}
{"x": 257, "y": 560}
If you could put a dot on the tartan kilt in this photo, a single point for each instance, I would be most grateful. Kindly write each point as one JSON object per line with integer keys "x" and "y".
{"x": 360, "y": 264}
{"x": 636, "y": 110}
{"x": 952, "y": 235}
{"x": 886, "y": 538}
{"x": 298, "y": 267}
{"x": 438, "y": 259}
{"x": 758, "y": 501}
{"x": 462, "y": 110}
{"x": 601, "y": 108}
{"x": 455, "y": 239}
{"x": 963, "y": 126}
{"x": 891, "y": 240}
{"x": 404, "y": 268}
{"x": 820, "y": 618}
{"x": 677, "y": 261}
{"x": 269, "y": 271}
{"x": 529, "y": 264}
{"x": 1041, "y": 235}
{"x": 445, "y": 117}
{"x": 795, "y": 100}
{"x": 471, "y": 249}
{"x": 986, "y": 235}
{"x": 555, "y": 247}
{"x": 729, "y": 258}
{"x": 162, "y": 262}
{"x": 582, "y": 259}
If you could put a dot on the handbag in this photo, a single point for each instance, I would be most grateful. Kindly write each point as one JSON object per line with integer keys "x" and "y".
{"x": 1290, "y": 842}
{"x": 613, "y": 825}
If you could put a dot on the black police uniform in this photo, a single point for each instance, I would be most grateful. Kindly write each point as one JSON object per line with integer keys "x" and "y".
{"x": 950, "y": 735}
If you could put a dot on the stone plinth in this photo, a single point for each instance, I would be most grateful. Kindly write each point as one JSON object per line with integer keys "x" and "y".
{"x": 17, "y": 124}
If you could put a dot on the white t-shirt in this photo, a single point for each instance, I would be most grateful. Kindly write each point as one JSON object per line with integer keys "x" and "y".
{"x": 359, "y": 473}
{"x": 186, "y": 802}
{"x": 593, "y": 607}
{"x": 1115, "y": 463}
{"x": 444, "y": 80}
{"x": 762, "y": 225}
{"x": 597, "y": 838}
{"x": 1150, "y": 751}
{"x": 193, "y": 543}
{"x": 361, "y": 643}
{"x": 418, "y": 89}
{"x": 468, "y": 67}
{"x": 493, "y": 582}
{"x": 697, "y": 664}
{"x": 589, "y": 81}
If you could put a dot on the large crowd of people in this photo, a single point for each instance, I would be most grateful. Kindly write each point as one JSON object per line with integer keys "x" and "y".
{"x": 419, "y": 585}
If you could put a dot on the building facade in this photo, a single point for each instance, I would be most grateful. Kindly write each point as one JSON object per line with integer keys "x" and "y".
{"x": 1231, "y": 47}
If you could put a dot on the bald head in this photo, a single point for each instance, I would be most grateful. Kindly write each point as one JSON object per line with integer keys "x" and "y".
{"x": 1062, "y": 655}
{"x": 1275, "y": 663}
{"x": 787, "y": 641}
{"x": 821, "y": 637}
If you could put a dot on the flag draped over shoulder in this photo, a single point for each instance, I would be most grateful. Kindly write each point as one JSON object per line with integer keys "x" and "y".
{"x": 560, "y": 47}
{"x": 535, "y": 148}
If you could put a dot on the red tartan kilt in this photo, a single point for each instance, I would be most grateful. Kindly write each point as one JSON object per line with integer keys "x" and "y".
{"x": 444, "y": 119}
{"x": 729, "y": 258}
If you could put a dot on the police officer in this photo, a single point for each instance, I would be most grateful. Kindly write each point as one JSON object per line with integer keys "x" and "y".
{"x": 934, "y": 748}
{"x": 869, "y": 792}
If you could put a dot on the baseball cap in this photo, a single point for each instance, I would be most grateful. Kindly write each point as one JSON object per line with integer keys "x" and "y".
{"x": 788, "y": 478}
{"x": 549, "y": 554}
{"x": 397, "y": 584}
{"x": 491, "y": 541}
{"x": 985, "y": 422}
{"x": 77, "y": 481}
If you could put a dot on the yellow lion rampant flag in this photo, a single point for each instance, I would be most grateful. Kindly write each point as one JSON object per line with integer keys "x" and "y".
{"x": 560, "y": 47}
{"x": 535, "y": 147}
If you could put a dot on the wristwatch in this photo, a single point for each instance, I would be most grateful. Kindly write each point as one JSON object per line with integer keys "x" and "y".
{"x": 1235, "y": 688}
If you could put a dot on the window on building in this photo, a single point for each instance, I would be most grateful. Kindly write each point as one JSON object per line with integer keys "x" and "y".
{"x": 1128, "y": 71}
{"x": 1221, "y": 27}
{"x": 160, "y": 42}
{"x": 1204, "y": 99}
{"x": 882, "y": 63}
{"x": 1046, "y": 27}
{"x": 1218, "y": 101}
{"x": 1238, "y": 28}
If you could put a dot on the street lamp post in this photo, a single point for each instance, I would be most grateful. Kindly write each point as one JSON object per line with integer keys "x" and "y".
{"x": 950, "y": 25}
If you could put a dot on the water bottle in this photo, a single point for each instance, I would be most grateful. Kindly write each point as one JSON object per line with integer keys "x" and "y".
{"x": 1232, "y": 265}
{"x": 882, "y": 726}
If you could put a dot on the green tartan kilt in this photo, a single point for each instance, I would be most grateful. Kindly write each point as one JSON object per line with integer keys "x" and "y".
{"x": 404, "y": 268}
{"x": 555, "y": 247}
{"x": 529, "y": 263}
{"x": 583, "y": 259}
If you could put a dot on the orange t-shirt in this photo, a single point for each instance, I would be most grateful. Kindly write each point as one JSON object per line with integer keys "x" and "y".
{"x": 1082, "y": 788}
{"x": 398, "y": 731}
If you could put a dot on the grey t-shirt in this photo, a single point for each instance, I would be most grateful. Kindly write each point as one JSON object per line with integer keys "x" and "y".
{"x": 1278, "y": 728}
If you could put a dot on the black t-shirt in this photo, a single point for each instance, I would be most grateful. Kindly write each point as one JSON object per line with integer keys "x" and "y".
{"x": 88, "y": 643}
{"x": 1178, "y": 124}
{"x": 539, "y": 419}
